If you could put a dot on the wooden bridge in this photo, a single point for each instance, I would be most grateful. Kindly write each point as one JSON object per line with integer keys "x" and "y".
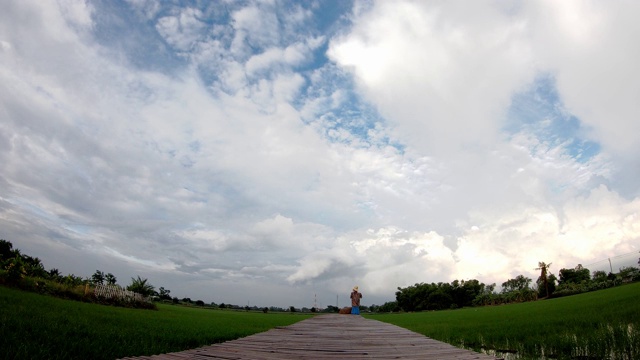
{"x": 329, "y": 337}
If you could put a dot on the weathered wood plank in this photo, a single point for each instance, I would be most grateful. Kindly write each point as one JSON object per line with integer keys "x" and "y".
{"x": 329, "y": 337}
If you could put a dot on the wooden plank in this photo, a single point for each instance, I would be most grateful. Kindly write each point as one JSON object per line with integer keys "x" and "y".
{"x": 329, "y": 336}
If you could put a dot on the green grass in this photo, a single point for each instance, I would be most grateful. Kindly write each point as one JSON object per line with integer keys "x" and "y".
{"x": 34, "y": 326}
{"x": 603, "y": 324}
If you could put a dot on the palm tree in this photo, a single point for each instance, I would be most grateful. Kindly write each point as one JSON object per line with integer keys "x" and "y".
{"x": 543, "y": 275}
{"x": 110, "y": 279}
{"x": 6, "y": 250}
{"x": 98, "y": 278}
{"x": 34, "y": 267}
{"x": 141, "y": 287}
{"x": 54, "y": 274}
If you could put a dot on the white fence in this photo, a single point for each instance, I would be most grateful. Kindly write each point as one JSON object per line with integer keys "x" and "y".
{"x": 115, "y": 291}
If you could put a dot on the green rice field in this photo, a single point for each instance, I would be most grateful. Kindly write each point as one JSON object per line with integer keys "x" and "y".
{"x": 34, "y": 326}
{"x": 597, "y": 325}
{"x": 603, "y": 324}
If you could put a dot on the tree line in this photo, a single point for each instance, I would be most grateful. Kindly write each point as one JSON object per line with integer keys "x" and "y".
{"x": 30, "y": 273}
{"x": 467, "y": 293}
{"x": 27, "y": 272}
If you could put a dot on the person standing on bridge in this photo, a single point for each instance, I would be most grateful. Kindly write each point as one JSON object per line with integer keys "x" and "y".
{"x": 355, "y": 301}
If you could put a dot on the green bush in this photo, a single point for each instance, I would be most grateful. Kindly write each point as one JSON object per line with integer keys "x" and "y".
{"x": 16, "y": 269}
{"x": 67, "y": 290}
{"x": 122, "y": 302}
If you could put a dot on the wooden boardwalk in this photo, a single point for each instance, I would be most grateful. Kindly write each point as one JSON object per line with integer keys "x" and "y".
{"x": 329, "y": 337}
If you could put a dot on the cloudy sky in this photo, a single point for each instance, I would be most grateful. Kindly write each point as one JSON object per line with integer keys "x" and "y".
{"x": 281, "y": 152}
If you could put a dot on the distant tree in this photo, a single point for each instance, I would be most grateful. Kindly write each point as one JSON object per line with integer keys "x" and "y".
{"x": 16, "y": 268}
{"x": 98, "y": 278}
{"x": 265, "y": 310}
{"x": 292, "y": 308}
{"x": 467, "y": 292}
{"x": 164, "y": 293}
{"x": 175, "y": 300}
{"x": 199, "y": 302}
{"x": 110, "y": 279}
{"x": 439, "y": 299}
{"x": 313, "y": 309}
{"x": 34, "y": 267}
{"x": 6, "y": 250}
{"x": 422, "y": 296}
{"x": 186, "y": 300}
{"x": 574, "y": 276}
{"x": 331, "y": 309}
{"x": 544, "y": 268}
{"x": 599, "y": 276}
{"x": 141, "y": 286}
{"x": 518, "y": 284}
{"x": 54, "y": 274}
{"x": 549, "y": 289}
{"x": 222, "y": 306}
{"x": 72, "y": 280}
{"x": 389, "y": 306}
{"x": 629, "y": 273}
{"x": 487, "y": 296}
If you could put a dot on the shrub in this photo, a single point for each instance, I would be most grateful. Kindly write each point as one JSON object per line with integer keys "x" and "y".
{"x": 16, "y": 269}
{"x": 3, "y": 276}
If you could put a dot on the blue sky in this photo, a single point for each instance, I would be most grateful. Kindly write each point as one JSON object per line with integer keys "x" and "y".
{"x": 271, "y": 151}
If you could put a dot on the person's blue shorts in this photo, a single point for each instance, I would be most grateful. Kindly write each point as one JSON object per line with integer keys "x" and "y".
{"x": 355, "y": 310}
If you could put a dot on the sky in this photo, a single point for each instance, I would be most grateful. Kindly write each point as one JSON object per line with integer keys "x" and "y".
{"x": 278, "y": 153}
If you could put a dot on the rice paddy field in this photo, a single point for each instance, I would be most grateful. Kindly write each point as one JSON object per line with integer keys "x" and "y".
{"x": 603, "y": 324}
{"x": 34, "y": 326}
{"x": 597, "y": 325}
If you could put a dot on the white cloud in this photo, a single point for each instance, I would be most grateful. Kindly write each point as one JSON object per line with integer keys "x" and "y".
{"x": 591, "y": 47}
{"x": 447, "y": 96}
{"x": 292, "y": 55}
{"x": 77, "y": 13}
{"x": 600, "y": 222}
{"x": 459, "y": 66}
{"x": 255, "y": 27}
{"x": 596, "y": 226}
{"x": 394, "y": 256}
{"x": 183, "y": 29}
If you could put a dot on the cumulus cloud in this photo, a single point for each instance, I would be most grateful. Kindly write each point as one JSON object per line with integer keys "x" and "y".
{"x": 255, "y": 27}
{"x": 598, "y": 223}
{"x": 460, "y": 65}
{"x": 590, "y": 48}
{"x": 292, "y": 55}
{"x": 183, "y": 29}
